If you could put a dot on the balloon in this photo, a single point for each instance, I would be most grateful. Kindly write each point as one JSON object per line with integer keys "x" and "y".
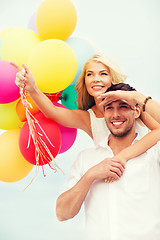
{"x": 68, "y": 134}
{"x": 32, "y": 23}
{"x": 53, "y": 133}
{"x": 9, "y": 119}
{"x": 54, "y": 97}
{"x": 13, "y": 166}
{"x": 6, "y": 31}
{"x": 21, "y": 110}
{"x": 56, "y": 19}
{"x": 53, "y": 64}
{"x": 83, "y": 50}
{"x": 9, "y": 92}
{"x": 0, "y": 47}
{"x": 69, "y": 97}
{"x": 18, "y": 44}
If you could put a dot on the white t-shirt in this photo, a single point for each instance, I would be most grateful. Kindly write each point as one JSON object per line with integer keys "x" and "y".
{"x": 101, "y": 132}
{"x": 127, "y": 209}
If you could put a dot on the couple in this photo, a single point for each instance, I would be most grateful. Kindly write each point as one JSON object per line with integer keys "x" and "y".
{"x": 118, "y": 214}
{"x": 126, "y": 209}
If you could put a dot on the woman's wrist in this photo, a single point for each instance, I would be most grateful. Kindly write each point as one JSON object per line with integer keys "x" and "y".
{"x": 140, "y": 98}
{"x": 33, "y": 90}
{"x": 121, "y": 156}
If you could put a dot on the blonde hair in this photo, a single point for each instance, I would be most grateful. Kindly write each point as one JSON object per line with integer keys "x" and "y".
{"x": 85, "y": 100}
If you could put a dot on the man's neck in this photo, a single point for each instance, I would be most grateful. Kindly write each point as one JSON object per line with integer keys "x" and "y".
{"x": 119, "y": 143}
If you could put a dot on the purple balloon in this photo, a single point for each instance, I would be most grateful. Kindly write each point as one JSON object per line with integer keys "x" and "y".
{"x": 32, "y": 23}
{"x": 9, "y": 92}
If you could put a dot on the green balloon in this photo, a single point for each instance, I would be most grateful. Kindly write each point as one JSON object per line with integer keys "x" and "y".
{"x": 68, "y": 97}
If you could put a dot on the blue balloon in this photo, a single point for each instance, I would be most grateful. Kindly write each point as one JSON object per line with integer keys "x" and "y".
{"x": 83, "y": 50}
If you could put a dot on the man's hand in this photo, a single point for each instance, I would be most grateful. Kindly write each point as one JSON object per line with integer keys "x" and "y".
{"x": 112, "y": 168}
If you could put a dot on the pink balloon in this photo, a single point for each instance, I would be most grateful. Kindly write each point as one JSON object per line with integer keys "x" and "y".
{"x": 68, "y": 134}
{"x": 9, "y": 92}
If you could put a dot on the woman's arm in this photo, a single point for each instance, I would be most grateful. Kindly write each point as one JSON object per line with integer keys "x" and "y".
{"x": 151, "y": 107}
{"x": 148, "y": 141}
{"x": 68, "y": 118}
{"x": 139, "y": 147}
{"x": 133, "y": 97}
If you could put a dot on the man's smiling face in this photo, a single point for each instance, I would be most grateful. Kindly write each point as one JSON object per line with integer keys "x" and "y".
{"x": 119, "y": 117}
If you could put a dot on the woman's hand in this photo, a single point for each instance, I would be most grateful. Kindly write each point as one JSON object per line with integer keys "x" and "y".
{"x": 108, "y": 168}
{"x": 112, "y": 179}
{"x": 128, "y": 96}
{"x": 24, "y": 79}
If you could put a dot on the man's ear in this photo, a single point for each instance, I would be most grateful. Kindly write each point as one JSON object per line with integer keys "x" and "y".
{"x": 137, "y": 111}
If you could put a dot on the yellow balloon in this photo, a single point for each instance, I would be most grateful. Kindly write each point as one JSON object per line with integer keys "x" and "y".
{"x": 9, "y": 118}
{"x": 13, "y": 166}
{"x": 56, "y": 19}
{"x": 53, "y": 64}
{"x": 18, "y": 44}
{"x": 6, "y": 30}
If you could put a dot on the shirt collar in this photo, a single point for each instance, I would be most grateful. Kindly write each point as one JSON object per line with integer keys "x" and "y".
{"x": 104, "y": 141}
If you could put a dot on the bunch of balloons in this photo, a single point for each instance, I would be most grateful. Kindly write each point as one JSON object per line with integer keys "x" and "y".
{"x": 56, "y": 61}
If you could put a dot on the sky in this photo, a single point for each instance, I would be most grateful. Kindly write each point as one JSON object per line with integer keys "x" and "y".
{"x": 129, "y": 32}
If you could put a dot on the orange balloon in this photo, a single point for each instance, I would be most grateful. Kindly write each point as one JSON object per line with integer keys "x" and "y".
{"x": 13, "y": 166}
{"x": 21, "y": 111}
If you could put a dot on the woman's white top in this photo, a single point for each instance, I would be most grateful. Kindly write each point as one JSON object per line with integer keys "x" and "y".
{"x": 100, "y": 130}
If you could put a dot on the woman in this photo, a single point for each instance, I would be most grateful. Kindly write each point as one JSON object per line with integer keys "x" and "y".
{"x": 98, "y": 74}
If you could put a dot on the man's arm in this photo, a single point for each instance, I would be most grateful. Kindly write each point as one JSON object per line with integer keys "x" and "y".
{"x": 69, "y": 203}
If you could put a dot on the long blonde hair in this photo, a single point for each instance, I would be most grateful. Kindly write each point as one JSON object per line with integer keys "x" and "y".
{"x": 85, "y": 100}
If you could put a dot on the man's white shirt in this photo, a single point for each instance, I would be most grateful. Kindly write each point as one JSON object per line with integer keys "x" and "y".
{"x": 127, "y": 209}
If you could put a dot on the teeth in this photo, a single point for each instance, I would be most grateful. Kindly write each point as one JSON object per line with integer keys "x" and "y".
{"x": 97, "y": 87}
{"x": 117, "y": 123}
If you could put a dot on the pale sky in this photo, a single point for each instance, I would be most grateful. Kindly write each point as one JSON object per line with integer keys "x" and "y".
{"x": 129, "y": 32}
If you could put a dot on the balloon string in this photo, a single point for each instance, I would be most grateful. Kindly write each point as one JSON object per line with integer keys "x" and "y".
{"x": 32, "y": 179}
{"x": 43, "y": 171}
{"x": 42, "y": 152}
{"x": 40, "y": 145}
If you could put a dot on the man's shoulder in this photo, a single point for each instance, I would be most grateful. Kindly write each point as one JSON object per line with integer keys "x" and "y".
{"x": 91, "y": 153}
{"x": 90, "y": 150}
{"x": 155, "y": 148}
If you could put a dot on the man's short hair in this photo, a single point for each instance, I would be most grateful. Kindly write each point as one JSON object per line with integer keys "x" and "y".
{"x": 121, "y": 86}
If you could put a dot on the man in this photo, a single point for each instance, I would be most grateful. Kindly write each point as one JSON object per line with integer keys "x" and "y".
{"x": 127, "y": 209}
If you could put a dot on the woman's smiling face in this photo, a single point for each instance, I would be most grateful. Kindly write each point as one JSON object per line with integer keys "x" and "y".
{"x": 97, "y": 78}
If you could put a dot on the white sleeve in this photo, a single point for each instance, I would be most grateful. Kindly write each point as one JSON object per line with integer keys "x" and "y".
{"x": 158, "y": 151}
{"x": 141, "y": 130}
{"x": 155, "y": 151}
{"x": 75, "y": 173}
